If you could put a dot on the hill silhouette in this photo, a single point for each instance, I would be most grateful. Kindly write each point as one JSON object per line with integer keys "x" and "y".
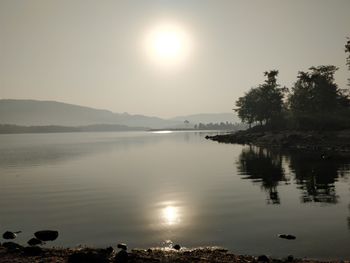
{"x": 44, "y": 113}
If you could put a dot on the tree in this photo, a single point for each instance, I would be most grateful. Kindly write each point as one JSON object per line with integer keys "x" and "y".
{"x": 316, "y": 102}
{"x": 246, "y": 107}
{"x": 315, "y": 91}
{"x": 347, "y": 50}
{"x": 263, "y": 103}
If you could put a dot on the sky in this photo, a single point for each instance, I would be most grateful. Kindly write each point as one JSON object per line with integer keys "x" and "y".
{"x": 106, "y": 54}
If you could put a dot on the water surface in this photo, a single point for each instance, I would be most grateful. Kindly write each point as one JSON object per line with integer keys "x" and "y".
{"x": 154, "y": 189}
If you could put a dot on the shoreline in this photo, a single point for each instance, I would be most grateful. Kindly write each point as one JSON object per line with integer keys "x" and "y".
{"x": 34, "y": 254}
{"x": 324, "y": 141}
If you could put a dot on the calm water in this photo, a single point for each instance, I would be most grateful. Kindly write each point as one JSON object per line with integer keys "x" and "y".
{"x": 151, "y": 189}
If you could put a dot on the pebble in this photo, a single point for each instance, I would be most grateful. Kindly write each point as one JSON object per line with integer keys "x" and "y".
{"x": 263, "y": 258}
{"x": 289, "y": 237}
{"x": 109, "y": 250}
{"x": 34, "y": 242}
{"x": 177, "y": 247}
{"x": 9, "y": 235}
{"x": 46, "y": 235}
{"x": 122, "y": 246}
{"x": 12, "y": 246}
{"x": 122, "y": 256}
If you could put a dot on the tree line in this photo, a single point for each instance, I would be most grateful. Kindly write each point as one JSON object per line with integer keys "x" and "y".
{"x": 314, "y": 102}
{"x": 220, "y": 126}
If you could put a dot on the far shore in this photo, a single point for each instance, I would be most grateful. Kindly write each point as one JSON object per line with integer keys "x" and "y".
{"x": 85, "y": 254}
{"x": 325, "y": 141}
{"x": 17, "y": 129}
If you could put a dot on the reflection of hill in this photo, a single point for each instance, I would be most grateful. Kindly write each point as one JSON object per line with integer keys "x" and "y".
{"x": 10, "y": 129}
{"x": 26, "y": 150}
{"x": 314, "y": 174}
{"x": 42, "y": 149}
{"x": 262, "y": 166}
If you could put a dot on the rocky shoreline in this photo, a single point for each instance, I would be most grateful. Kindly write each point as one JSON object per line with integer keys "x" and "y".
{"x": 325, "y": 141}
{"x": 108, "y": 255}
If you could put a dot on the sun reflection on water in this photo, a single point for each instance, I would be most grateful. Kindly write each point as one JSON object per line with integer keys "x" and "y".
{"x": 162, "y": 132}
{"x": 171, "y": 215}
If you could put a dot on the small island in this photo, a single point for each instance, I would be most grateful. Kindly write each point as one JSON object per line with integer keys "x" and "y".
{"x": 324, "y": 141}
{"x": 313, "y": 115}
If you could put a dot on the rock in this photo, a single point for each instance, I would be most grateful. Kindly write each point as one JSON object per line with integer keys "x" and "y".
{"x": 10, "y": 235}
{"x": 289, "y": 237}
{"x": 12, "y": 246}
{"x": 122, "y": 256}
{"x": 46, "y": 235}
{"x": 34, "y": 242}
{"x": 325, "y": 157}
{"x": 32, "y": 251}
{"x": 122, "y": 246}
{"x": 109, "y": 250}
{"x": 263, "y": 258}
{"x": 177, "y": 247}
{"x": 290, "y": 258}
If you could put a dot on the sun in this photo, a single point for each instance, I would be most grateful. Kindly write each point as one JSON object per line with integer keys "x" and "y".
{"x": 168, "y": 44}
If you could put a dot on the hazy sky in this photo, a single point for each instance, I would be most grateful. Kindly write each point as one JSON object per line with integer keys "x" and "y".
{"x": 95, "y": 53}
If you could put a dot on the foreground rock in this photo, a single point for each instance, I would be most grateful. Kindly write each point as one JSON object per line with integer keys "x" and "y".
{"x": 288, "y": 237}
{"x": 10, "y": 235}
{"x": 88, "y": 255}
{"x": 46, "y": 235}
{"x": 338, "y": 141}
{"x": 34, "y": 242}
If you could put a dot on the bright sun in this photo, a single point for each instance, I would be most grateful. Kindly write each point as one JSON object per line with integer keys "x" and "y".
{"x": 168, "y": 44}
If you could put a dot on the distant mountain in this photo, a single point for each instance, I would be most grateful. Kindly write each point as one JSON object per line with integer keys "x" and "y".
{"x": 41, "y": 113}
{"x": 45, "y": 113}
{"x": 10, "y": 128}
{"x": 208, "y": 118}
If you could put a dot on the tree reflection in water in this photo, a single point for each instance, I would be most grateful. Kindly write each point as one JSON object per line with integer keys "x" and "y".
{"x": 314, "y": 173}
{"x": 349, "y": 218}
{"x": 263, "y": 166}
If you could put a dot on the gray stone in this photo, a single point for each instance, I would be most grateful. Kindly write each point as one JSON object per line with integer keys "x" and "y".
{"x": 9, "y": 235}
{"x": 12, "y": 246}
{"x": 34, "y": 242}
{"x": 288, "y": 237}
{"x": 263, "y": 258}
{"x": 122, "y": 256}
{"x": 46, "y": 235}
{"x": 122, "y": 246}
{"x": 177, "y": 247}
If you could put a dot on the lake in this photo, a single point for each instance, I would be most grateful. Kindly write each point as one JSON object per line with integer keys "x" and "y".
{"x": 155, "y": 189}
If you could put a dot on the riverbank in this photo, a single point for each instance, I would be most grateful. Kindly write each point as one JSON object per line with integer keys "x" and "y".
{"x": 333, "y": 141}
{"x": 92, "y": 255}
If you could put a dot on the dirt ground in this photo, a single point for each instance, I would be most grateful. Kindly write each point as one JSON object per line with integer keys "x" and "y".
{"x": 94, "y": 255}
